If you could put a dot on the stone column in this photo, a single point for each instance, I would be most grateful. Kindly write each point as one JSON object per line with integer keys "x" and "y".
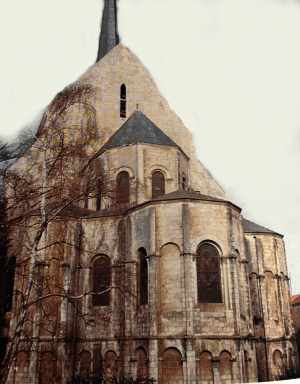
{"x": 153, "y": 360}
{"x": 129, "y": 297}
{"x": 127, "y": 363}
{"x": 153, "y": 265}
{"x": 188, "y": 271}
{"x": 190, "y": 363}
{"x": 235, "y": 292}
{"x": 216, "y": 371}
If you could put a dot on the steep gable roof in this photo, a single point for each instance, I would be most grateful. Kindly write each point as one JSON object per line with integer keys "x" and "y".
{"x": 251, "y": 227}
{"x": 138, "y": 129}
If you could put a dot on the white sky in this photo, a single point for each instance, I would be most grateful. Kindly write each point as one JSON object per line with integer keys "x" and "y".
{"x": 229, "y": 68}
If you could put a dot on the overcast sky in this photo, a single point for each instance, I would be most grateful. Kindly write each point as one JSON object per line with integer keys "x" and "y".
{"x": 229, "y": 68}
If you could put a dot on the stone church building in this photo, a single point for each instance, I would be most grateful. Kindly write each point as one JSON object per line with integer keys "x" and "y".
{"x": 163, "y": 276}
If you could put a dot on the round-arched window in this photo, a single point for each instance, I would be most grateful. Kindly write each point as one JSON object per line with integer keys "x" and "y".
{"x": 143, "y": 277}
{"x": 208, "y": 274}
{"x": 101, "y": 281}
{"x": 123, "y": 101}
{"x": 158, "y": 184}
{"x": 123, "y": 188}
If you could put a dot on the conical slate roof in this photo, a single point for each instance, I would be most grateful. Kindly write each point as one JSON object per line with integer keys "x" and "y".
{"x": 138, "y": 129}
{"x": 250, "y": 227}
{"x": 109, "y": 36}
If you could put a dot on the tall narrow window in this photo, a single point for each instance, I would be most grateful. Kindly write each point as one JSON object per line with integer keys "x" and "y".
{"x": 158, "y": 184}
{"x": 208, "y": 274}
{"x": 47, "y": 371}
{"x": 205, "y": 369}
{"x": 142, "y": 370}
{"x": 143, "y": 277}
{"x": 98, "y": 195}
{"x": 123, "y": 101}
{"x": 111, "y": 366}
{"x": 225, "y": 367}
{"x": 101, "y": 281}
{"x": 123, "y": 187}
{"x": 87, "y": 194}
{"x": 85, "y": 364}
{"x": 172, "y": 367}
{"x": 183, "y": 182}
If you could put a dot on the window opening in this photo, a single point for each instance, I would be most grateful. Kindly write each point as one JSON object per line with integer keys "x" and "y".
{"x": 101, "y": 281}
{"x": 123, "y": 101}
{"x": 208, "y": 274}
{"x": 158, "y": 184}
{"x": 123, "y": 188}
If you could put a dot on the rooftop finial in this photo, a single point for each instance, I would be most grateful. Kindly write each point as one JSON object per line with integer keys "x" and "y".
{"x": 109, "y": 36}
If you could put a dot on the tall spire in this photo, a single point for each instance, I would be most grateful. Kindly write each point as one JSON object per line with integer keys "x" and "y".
{"x": 109, "y": 37}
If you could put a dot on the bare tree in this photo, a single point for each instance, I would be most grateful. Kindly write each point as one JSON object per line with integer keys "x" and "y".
{"x": 56, "y": 178}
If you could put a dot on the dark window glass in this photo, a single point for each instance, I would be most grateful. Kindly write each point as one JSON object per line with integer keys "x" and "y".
{"x": 158, "y": 184}
{"x": 142, "y": 370}
{"x": 208, "y": 274}
{"x": 123, "y": 101}
{"x": 85, "y": 364}
{"x": 183, "y": 183}
{"x": 98, "y": 363}
{"x": 123, "y": 187}
{"x": 87, "y": 194}
{"x": 143, "y": 277}
{"x": 98, "y": 196}
{"x": 101, "y": 281}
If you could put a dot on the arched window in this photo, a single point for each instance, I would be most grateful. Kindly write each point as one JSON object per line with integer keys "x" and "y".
{"x": 85, "y": 364}
{"x": 123, "y": 188}
{"x": 111, "y": 366}
{"x": 172, "y": 369}
{"x": 205, "y": 369}
{"x": 21, "y": 371}
{"x": 158, "y": 184}
{"x": 225, "y": 367}
{"x": 98, "y": 195}
{"x": 123, "y": 101}
{"x": 278, "y": 364}
{"x": 47, "y": 371}
{"x": 101, "y": 281}
{"x": 142, "y": 370}
{"x": 208, "y": 274}
{"x": 143, "y": 277}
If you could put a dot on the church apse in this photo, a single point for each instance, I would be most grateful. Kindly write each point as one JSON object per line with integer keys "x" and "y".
{"x": 148, "y": 269}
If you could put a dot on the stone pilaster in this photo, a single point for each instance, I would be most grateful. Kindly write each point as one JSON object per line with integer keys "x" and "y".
{"x": 153, "y": 359}
{"x": 153, "y": 265}
{"x": 190, "y": 363}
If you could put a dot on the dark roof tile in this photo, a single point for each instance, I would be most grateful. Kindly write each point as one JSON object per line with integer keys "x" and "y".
{"x": 251, "y": 227}
{"x": 138, "y": 129}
